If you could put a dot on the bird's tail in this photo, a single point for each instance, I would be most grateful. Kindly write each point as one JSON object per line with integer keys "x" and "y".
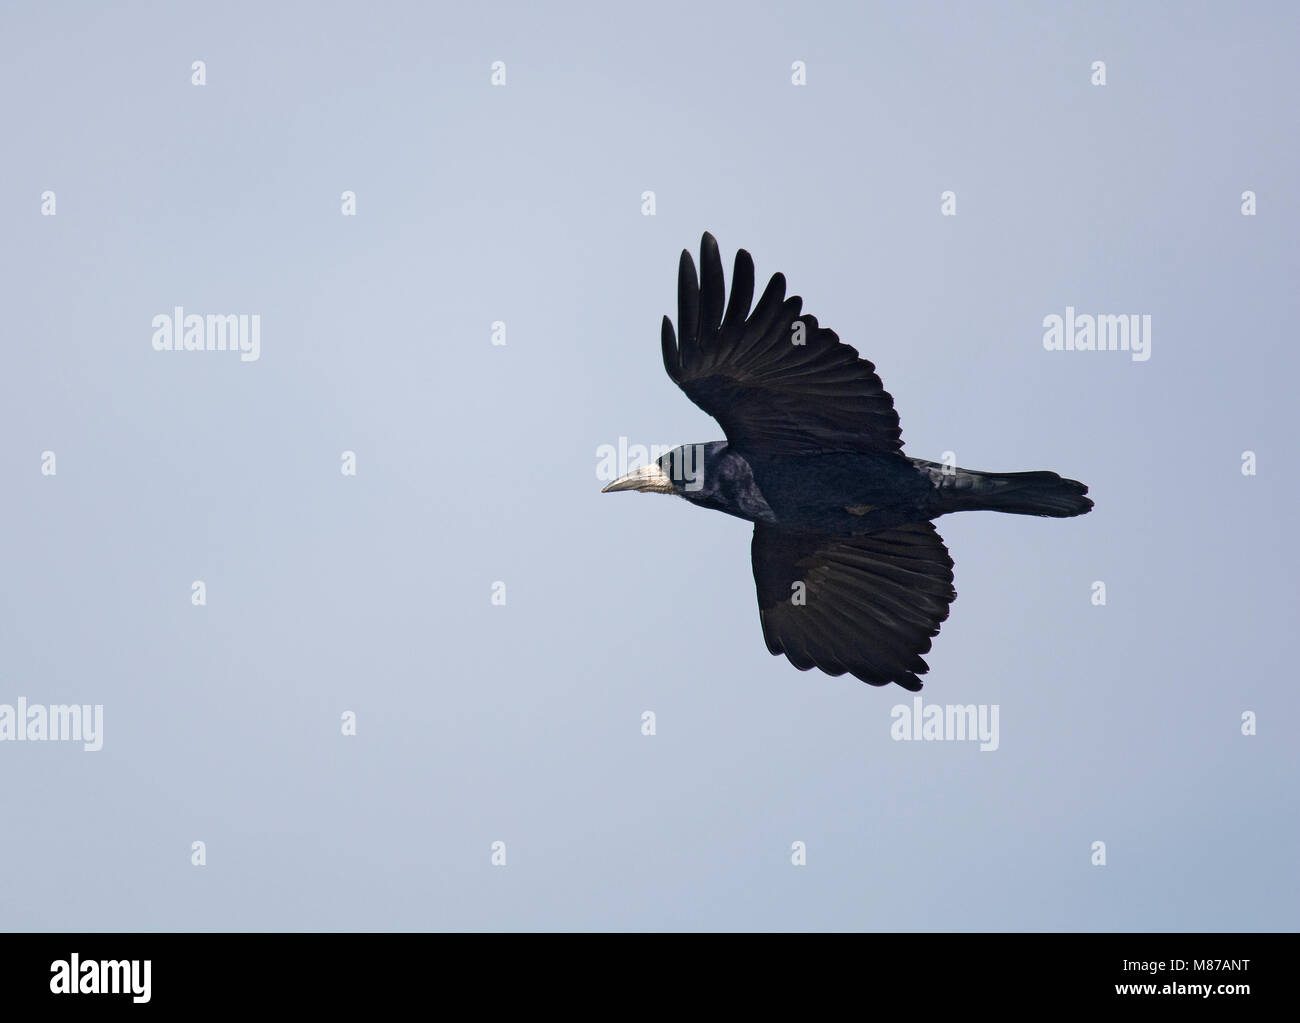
{"x": 1020, "y": 493}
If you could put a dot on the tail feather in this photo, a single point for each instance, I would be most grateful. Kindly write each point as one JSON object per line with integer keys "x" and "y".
{"x": 1020, "y": 493}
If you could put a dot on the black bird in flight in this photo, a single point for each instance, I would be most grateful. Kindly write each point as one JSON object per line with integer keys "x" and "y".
{"x": 851, "y": 574}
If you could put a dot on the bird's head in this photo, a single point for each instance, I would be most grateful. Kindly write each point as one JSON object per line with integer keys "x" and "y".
{"x": 682, "y": 471}
{"x": 709, "y": 475}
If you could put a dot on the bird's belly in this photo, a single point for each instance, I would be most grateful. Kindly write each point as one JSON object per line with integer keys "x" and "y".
{"x": 842, "y": 494}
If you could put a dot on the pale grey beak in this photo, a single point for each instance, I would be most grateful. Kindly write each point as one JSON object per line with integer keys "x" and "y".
{"x": 649, "y": 478}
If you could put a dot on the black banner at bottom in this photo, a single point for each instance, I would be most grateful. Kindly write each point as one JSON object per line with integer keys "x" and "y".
{"x": 615, "y": 973}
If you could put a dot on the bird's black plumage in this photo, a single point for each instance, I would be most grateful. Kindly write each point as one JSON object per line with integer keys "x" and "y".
{"x": 851, "y": 574}
{"x": 776, "y": 381}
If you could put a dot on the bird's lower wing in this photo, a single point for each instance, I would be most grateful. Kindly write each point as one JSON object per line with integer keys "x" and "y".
{"x": 868, "y": 605}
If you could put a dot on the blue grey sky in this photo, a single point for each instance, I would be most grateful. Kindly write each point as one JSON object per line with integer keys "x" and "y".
{"x": 476, "y": 463}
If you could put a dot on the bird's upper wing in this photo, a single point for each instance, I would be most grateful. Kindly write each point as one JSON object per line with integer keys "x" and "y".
{"x": 870, "y": 604}
{"x": 776, "y": 381}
